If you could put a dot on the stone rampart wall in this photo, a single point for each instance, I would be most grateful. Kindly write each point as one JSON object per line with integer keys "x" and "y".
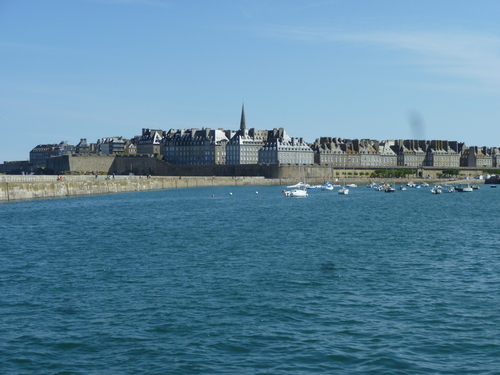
{"x": 150, "y": 165}
{"x": 13, "y": 191}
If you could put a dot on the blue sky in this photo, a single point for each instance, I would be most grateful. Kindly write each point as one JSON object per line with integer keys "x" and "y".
{"x": 72, "y": 69}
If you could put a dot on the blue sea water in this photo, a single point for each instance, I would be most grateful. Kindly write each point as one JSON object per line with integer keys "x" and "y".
{"x": 183, "y": 282}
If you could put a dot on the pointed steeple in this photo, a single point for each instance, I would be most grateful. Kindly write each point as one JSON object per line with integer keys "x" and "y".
{"x": 243, "y": 125}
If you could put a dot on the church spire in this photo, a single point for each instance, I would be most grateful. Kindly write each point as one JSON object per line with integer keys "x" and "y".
{"x": 243, "y": 125}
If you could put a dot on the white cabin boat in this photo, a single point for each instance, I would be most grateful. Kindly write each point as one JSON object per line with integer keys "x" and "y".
{"x": 436, "y": 190}
{"x": 464, "y": 188}
{"x": 327, "y": 186}
{"x": 298, "y": 185}
{"x": 295, "y": 193}
{"x": 343, "y": 190}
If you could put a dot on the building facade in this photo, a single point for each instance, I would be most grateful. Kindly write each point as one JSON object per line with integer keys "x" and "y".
{"x": 150, "y": 141}
{"x": 243, "y": 146}
{"x": 42, "y": 152}
{"x": 282, "y": 149}
{"x": 194, "y": 146}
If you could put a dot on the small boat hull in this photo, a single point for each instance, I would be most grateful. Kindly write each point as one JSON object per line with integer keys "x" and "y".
{"x": 295, "y": 193}
{"x": 343, "y": 191}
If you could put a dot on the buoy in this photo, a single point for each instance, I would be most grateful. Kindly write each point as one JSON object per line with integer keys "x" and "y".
{"x": 256, "y": 192}
{"x": 213, "y": 195}
{"x": 230, "y": 193}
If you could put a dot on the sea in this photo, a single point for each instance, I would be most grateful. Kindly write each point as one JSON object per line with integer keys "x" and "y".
{"x": 243, "y": 280}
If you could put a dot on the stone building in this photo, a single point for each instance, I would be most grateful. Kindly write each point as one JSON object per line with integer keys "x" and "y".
{"x": 42, "y": 152}
{"x": 282, "y": 149}
{"x": 353, "y": 153}
{"x": 82, "y": 147}
{"x": 194, "y": 146}
{"x": 243, "y": 147}
{"x": 410, "y": 153}
{"x": 495, "y": 157}
{"x": 150, "y": 141}
{"x": 480, "y": 157}
{"x": 388, "y": 157}
{"x": 443, "y": 154}
{"x": 330, "y": 151}
{"x": 112, "y": 145}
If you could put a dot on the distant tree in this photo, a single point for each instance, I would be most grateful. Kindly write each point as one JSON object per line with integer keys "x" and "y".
{"x": 451, "y": 172}
{"x": 492, "y": 171}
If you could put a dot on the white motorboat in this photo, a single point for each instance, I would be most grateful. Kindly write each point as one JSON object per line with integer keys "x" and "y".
{"x": 464, "y": 188}
{"x": 436, "y": 190}
{"x": 402, "y": 187}
{"x": 351, "y": 185}
{"x": 327, "y": 186}
{"x": 448, "y": 189}
{"x": 343, "y": 191}
{"x": 295, "y": 193}
{"x": 298, "y": 185}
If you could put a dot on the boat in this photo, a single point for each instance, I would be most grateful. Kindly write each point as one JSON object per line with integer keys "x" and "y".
{"x": 299, "y": 190}
{"x": 436, "y": 190}
{"x": 493, "y": 186}
{"x": 424, "y": 184}
{"x": 295, "y": 193}
{"x": 475, "y": 187}
{"x": 371, "y": 185}
{"x": 448, "y": 189}
{"x": 402, "y": 187}
{"x": 298, "y": 185}
{"x": 389, "y": 189}
{"x": 464, "y": 188}
{"x": 351, "y": 185}
{"x": 327, "y": 186}
{"x": 343, "y": 190}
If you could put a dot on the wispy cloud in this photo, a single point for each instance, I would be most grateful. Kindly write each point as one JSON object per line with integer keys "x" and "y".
{"x": 462, "y": 55}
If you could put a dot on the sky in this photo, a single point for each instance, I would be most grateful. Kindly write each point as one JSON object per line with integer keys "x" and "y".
{"x": 385, "y": 69}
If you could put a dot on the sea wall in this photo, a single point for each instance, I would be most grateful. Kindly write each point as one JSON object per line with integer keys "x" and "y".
{"x": 154, "y": 165}
{"x": 16, "y": 189}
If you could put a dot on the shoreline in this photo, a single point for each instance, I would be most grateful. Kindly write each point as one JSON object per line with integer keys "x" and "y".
{"x": 19, "y": 188}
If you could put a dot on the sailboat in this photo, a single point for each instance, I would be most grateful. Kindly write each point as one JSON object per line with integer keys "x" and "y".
{"x": 343, "y": 190}
{"x": 299, "y": 190}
